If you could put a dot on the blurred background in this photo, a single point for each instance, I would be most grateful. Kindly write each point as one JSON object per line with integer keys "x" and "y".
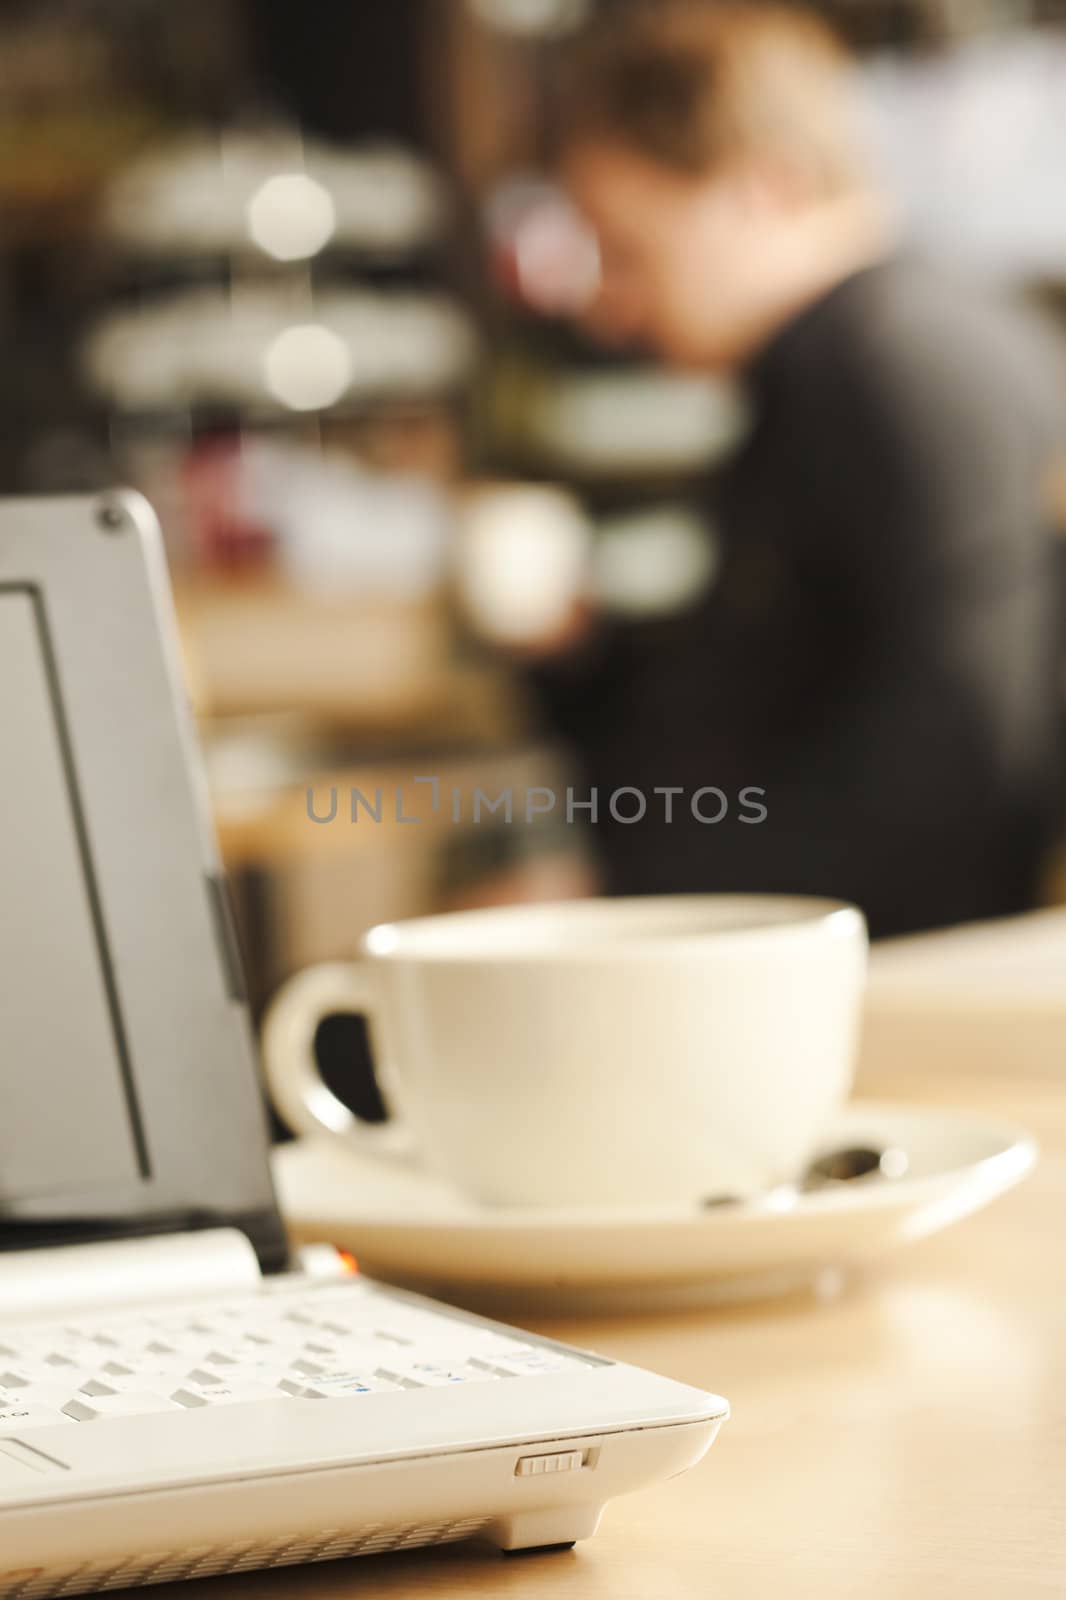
{"x": 297, "y": 273}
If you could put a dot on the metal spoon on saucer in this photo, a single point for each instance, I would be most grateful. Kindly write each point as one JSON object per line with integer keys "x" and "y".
{"x": 831, "y": 1170}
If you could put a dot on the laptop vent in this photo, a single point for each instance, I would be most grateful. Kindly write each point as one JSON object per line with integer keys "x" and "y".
{"x": 42, "y": 1583}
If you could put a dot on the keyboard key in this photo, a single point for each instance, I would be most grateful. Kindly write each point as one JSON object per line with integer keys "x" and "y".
{"x": 402, "y": 1380}
{"x": 222, "y": 1394}
{"x": 89, "y": 1408}
{"x": 154, "y": 1378}
{"x": 50, "y": 1397}
{"x": 529, "y": 1366}
{"x": 244, "y": 1372}
{"x": 200, "y": 1377}
{"x": 12, "y": 1418}
{"x": 47, "y": 1380}
{"x": 220, "y": 1358}
{"x": 328, "y": 1388}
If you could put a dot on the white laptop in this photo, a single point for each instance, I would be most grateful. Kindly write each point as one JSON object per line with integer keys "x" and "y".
{"x": 178, "y": 1394}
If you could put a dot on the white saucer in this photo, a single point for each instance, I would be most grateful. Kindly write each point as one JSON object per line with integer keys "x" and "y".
{"x": 407, "y": 1227}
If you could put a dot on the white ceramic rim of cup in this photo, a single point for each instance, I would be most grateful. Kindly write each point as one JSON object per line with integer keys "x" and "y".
{"x": 632, "y": 928}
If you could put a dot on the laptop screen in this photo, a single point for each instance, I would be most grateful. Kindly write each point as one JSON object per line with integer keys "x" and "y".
{"x": 129, "y": 1099}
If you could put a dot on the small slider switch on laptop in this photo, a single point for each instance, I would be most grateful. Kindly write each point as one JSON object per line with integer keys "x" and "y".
{"x": 178, "y": 1394}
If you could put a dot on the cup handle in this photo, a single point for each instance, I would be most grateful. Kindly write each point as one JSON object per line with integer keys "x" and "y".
{"x": 294, "y": 1082}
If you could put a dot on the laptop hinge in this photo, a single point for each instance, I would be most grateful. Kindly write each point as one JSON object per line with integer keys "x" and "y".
{"x": 42, "y": 1283}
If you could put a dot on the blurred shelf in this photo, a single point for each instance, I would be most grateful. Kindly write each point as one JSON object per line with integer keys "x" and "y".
{"x": 633, "y": 424}
{"x": 384, "y": 671}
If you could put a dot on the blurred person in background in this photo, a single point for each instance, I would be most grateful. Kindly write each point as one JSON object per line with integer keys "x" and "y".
{"x": 877, "y": 652}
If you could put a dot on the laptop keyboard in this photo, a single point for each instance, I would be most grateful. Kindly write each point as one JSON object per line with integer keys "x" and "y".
{"x": 286, "y": 1341}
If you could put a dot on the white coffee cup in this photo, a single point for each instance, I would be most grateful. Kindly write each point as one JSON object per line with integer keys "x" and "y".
{"x": 602, "y": 1052}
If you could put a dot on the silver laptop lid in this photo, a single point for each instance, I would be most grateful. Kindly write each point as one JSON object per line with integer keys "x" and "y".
{"x": 129, "y": 1100}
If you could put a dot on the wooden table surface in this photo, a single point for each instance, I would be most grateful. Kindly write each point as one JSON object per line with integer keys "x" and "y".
{"x": 906, "y": 1439}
